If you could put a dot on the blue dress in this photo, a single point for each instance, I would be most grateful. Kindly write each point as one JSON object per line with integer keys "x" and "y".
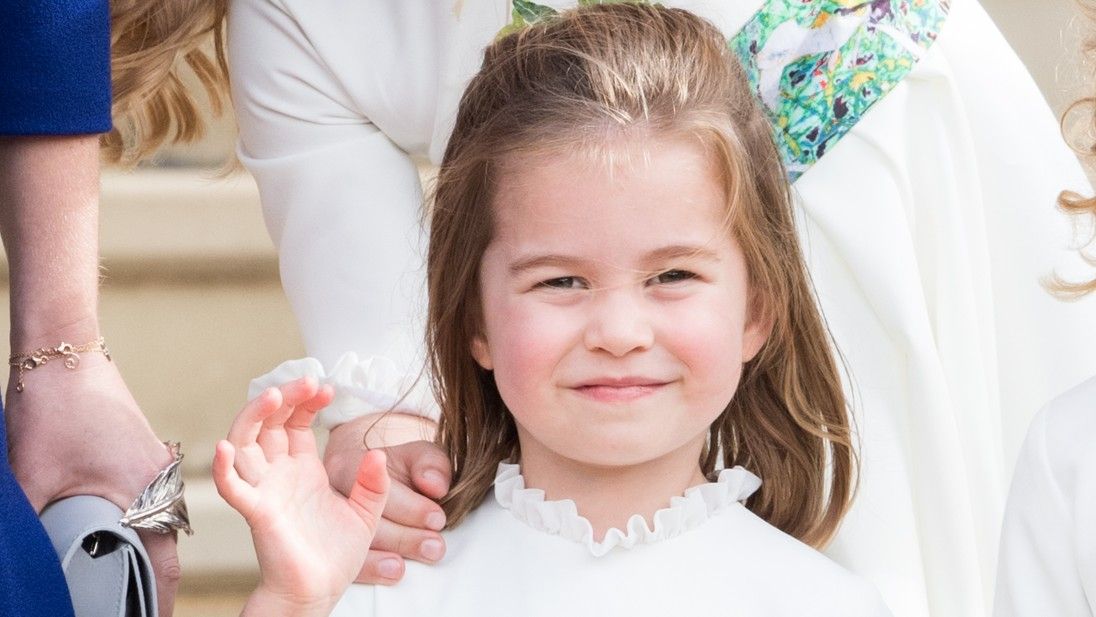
{"x": 54, "y": 80}
{"x": 31, "y": 581}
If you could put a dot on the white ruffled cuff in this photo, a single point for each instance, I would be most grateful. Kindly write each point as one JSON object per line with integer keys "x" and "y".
{"x": 362, "y": 386}
{"x": 561, "y": 518}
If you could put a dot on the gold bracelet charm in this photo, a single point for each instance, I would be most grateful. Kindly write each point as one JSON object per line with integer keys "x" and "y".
{"x": 71, "y": 354}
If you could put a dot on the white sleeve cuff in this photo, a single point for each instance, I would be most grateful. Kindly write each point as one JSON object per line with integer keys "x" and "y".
{"x": 362, "y": 386}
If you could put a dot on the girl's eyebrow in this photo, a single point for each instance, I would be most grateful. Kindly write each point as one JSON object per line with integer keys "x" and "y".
{"x": 543, "y": 261}
{"x": 676, "y": 251}
{"x": 682, "y": 251}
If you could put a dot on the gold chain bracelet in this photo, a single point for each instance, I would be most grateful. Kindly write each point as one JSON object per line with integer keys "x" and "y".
{"x": 71, "y": 354}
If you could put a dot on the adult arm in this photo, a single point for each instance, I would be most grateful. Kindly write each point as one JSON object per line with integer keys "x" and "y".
{"x": 342, "y": 203}
{"x": 70, "y": 431}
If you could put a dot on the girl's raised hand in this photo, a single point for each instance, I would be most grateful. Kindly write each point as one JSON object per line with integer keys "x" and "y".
{"x": 310, "y": 540}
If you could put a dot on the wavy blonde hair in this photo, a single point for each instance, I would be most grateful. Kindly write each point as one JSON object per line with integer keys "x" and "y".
{"x": 1077, "y": 205}
{"x": 152, "y": 43}
{"x": 637, "y": 70}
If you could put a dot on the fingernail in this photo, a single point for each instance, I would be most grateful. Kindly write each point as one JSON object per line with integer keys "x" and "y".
{"x": 431, "y": 549}
{"x": 435, "y": 521}
{"x": 434, "y": 477}
{"x": 389, "y": 568}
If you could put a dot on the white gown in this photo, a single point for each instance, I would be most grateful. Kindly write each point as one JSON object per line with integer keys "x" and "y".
{"x": 705, "y": 554}
{"x": 1048, "y": 543}
{"x": 927, "y": 230}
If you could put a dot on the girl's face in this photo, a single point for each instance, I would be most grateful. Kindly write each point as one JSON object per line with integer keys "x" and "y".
{"x": 615, "y": 304}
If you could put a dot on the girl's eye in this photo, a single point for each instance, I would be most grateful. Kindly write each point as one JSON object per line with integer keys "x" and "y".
{"x": 673, "y": 276}
{"x": 563, "y": 282}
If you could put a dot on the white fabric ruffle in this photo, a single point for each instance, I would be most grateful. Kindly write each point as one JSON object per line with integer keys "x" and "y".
{"x": 561, "y": 518}
{"x": 362, "y": 386}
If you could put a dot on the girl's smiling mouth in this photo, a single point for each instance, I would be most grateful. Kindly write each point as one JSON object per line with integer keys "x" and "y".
{"x": 619, "y": 389}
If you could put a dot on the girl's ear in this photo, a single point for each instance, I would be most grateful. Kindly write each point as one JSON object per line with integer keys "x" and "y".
{"x": 482, "y": 353}
{"x": 757, "y": 332}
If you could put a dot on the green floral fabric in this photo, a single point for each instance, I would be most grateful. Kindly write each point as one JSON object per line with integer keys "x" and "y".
{"x": 817, "y": 66}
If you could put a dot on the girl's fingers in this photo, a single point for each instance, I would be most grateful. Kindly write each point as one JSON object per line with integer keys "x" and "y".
{"x": 246, "y": 430}
{"x": 249, "y": 422}
{"x": 300, "y": 390}
{"x": 322, "y": 398}
{"x": 370, "y": 490}
{"x": 251, "y": 463}
{"x": 298, "y": 428}
{"x": 273, "y": 436}
{"x": 231, "y": 487}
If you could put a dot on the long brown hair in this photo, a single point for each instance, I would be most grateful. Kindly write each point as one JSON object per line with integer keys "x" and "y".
{"x": 568, "y": 83}
{"x": 153, "y": 42}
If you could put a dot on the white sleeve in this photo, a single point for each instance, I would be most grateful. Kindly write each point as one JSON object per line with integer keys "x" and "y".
{"x": 341, "y": 202}
{"x": 1037, "y": 571}
{"x": 358, "y": 601}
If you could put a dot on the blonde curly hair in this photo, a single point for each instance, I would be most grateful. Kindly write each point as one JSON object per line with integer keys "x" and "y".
{"x": 153, "y": 43}
{"x": 1074, "y": 203}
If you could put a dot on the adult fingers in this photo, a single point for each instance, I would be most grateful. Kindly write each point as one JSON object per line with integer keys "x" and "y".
{"x": 409, "y": 508}
{"x": 409, "y": 542}
{"x": 381, "y": 568}
{"x": 164, "y": 555}
{"x": 421, "y": 465}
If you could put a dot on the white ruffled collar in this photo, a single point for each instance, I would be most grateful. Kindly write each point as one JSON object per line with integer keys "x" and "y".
{"x": 698, "y": 504}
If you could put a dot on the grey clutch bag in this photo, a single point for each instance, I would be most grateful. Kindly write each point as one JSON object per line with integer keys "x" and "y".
{"x": 106, "y": 567}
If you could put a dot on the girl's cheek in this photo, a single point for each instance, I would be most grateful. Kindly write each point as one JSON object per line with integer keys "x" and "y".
{"x": 705, "y": 334}
{"x": 532, "y": 337}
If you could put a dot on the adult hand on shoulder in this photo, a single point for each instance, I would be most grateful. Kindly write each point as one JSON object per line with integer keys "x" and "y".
{"x": 420, "y": 474}
{"x": 80, "y": 432}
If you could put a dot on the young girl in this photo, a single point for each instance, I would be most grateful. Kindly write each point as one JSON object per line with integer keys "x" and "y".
{"x": 926, "y": 230}
{"x": 618, "y": 309}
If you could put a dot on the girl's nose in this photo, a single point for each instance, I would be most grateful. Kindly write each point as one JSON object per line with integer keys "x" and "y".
{"x": 618, "y": 323}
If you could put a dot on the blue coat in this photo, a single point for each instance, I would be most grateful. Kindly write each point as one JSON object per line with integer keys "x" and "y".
{"x": 54, "y": 67}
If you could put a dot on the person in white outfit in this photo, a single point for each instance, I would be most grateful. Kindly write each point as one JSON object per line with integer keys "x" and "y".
{"x": 1048, "y": 540}
{"x": 926, "y": 230}
{"x": 1047, "y": 561}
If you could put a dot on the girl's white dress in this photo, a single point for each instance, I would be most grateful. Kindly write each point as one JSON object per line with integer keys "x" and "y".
{"x": 705, "y": 554}
{"x": 927, "y": 230}
{"x": 1048, "y": 544}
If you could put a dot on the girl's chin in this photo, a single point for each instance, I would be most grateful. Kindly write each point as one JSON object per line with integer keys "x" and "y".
{"x": 622, "y": 453}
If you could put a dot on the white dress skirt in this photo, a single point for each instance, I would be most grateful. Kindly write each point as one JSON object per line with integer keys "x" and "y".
{"x": 927, "y": 230}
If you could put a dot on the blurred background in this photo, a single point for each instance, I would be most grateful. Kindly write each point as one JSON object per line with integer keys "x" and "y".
{"x": 192, "y": 308}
